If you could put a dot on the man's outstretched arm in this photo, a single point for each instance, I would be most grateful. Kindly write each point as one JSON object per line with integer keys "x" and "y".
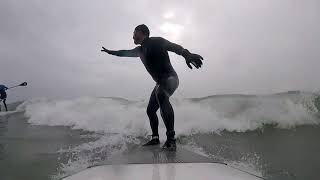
{"x": 190, "y": 58}
{"x": 123, "y": 53}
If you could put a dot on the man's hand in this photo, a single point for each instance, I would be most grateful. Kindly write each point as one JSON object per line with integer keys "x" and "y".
{"x": 194, "y": 59}
{"x": 105, "y": 50}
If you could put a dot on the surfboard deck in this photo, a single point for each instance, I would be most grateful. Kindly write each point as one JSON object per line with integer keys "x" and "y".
{"x": 153, "y": 163}
{"x": 156, "y": 155}
{"x": 168, "y": 171}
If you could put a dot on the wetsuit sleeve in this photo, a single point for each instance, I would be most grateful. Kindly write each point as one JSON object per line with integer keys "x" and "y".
{"x": 126, "y": 53}
{"x": 176, "y": 48}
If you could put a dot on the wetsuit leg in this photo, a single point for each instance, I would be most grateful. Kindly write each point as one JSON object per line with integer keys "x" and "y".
{"x": 163, "y": 93}
{"x": 5, "y": 105}
{"x": 152, "y": 109}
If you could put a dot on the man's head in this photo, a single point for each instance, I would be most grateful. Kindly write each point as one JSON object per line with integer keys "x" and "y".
{"x": 140, "y": 33}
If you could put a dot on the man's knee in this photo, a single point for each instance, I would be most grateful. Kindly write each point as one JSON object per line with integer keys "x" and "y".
{"x": 162, "y": 96}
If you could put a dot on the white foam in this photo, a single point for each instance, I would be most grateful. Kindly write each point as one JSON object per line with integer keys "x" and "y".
{"x": 91, "y": 114}
{"x": 212, "y": 115}
{"x": 91, "y": 153}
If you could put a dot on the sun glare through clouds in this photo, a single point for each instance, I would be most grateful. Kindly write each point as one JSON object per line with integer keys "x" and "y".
{"x": 171, "y": 29}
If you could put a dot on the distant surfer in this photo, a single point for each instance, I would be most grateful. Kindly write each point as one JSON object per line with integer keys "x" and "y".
{"x": 153, "y": 52}
{"x": 3, "y": 96}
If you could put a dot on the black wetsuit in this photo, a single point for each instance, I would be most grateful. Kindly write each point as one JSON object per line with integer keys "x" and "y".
{"x": 153, "y": 53}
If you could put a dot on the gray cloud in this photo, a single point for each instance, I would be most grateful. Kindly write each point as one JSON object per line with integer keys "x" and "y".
{"x": 248, "y": 46}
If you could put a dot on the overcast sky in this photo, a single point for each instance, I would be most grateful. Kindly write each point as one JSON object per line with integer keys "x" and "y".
{"x": 249, "y": 46}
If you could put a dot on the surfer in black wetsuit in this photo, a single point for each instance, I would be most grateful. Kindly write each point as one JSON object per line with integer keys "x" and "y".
{"x": 153, "y": 52}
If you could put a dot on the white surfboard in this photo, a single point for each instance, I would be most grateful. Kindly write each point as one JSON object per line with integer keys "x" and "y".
{"x": 152, "y": 163}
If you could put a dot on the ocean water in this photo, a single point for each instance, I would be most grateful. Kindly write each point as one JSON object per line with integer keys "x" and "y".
{"x": 275, "y": 136}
